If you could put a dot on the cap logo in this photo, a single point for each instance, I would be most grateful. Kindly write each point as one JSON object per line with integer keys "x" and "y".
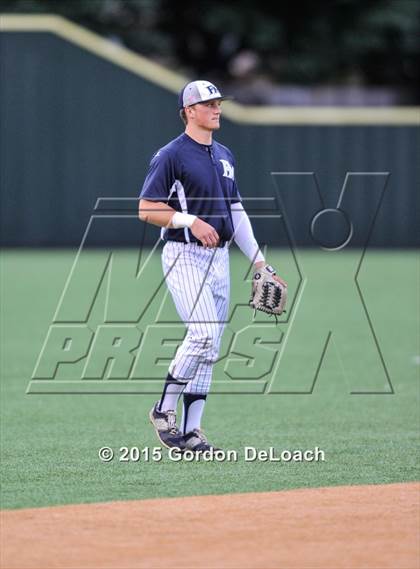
{"x": 212, "y": 89}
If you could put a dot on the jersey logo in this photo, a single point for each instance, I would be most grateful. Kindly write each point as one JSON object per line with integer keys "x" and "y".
{"x": 228, "y": 169}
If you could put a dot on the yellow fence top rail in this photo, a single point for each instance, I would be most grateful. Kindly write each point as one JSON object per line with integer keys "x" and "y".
{"x": 173, "y": 81}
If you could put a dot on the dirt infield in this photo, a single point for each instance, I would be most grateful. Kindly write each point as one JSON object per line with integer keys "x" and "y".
{"x": 343, "y": 527}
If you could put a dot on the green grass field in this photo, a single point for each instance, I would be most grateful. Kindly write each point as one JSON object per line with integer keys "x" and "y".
{"x": 50, "y": 442}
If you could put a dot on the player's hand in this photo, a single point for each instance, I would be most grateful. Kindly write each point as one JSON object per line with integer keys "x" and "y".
{"x": 205, "y": 233}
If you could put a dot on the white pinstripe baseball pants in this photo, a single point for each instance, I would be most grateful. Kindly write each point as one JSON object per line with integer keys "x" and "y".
{"x": 198, "y": 279}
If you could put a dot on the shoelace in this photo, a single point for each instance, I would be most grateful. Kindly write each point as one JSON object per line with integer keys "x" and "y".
{"x": 173, "y": 429}
{"x": 201, "y": 435}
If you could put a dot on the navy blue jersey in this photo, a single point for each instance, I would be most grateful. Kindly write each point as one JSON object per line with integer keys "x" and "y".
{"x": 197, "y": 179}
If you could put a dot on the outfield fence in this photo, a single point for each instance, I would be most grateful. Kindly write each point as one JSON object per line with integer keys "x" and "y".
{"x": 80, "y": 118}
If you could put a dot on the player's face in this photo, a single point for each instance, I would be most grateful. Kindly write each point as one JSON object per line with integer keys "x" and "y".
{"x": 207, "y": 115}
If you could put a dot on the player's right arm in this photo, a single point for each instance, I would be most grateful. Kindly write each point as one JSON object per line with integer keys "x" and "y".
{"x": 162, "y": 215}
{"x": 153, "y": 205}
{"x": 157, "y": 213}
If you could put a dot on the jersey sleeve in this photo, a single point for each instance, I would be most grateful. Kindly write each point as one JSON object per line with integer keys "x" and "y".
{"x": 235, "y": 196}
{"x": 160, "y": 177}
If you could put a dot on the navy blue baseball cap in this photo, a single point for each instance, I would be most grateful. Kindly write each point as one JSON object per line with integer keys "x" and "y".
{"x": 199, "y": 92}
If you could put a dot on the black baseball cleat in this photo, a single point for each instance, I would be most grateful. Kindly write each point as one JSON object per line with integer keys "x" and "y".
{"x": 197, "y": 441}
{"x": 167, "y": 432}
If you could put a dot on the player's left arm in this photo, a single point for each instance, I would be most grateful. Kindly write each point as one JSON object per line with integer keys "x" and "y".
{"x": 245, "y": 239}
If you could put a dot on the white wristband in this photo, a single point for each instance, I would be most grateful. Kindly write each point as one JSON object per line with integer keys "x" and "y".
{"x": 182, "y": 220}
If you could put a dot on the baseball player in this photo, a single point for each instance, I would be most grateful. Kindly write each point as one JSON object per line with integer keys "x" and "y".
{"x": 191, "y": 193}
